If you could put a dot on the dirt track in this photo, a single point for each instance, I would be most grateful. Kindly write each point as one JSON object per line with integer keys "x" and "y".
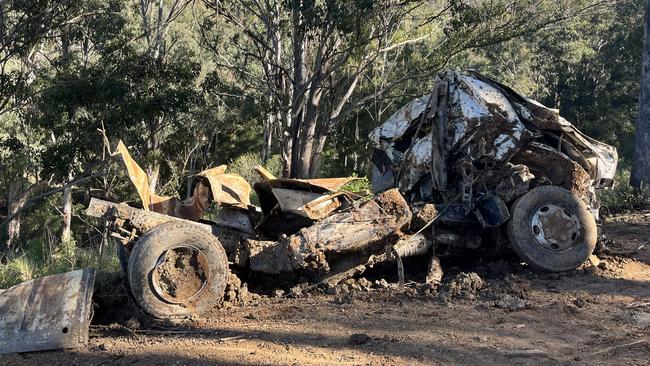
{"x": 523, "y": 317}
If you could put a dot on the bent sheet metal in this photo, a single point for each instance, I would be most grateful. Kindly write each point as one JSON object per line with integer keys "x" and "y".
{"x": 47, "y": 313}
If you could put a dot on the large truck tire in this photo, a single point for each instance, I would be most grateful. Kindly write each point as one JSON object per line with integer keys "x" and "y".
{"x": 552, "y": 229}
{"x": 177, "y": 270}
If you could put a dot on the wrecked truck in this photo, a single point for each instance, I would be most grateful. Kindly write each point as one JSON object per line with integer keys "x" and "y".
{"x": 500, "y": 169}
{"x": 472, "y": 165}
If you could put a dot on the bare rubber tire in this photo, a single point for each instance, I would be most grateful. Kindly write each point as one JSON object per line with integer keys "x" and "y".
{"x": 167, "y": 260}
{"x": 552, "y": 229}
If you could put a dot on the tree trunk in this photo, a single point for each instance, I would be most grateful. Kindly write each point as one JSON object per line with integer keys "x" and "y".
{"x": 66, "y": 232}
{"x": 267, "y": 136}
{"x": 16, "y": 200}
{"x": 316, "y": 155}
{"x": 308, "y": 129}
{"x": 294, "y": 143}
{"x": 297, "y": 110}
{"x": 640, "y": 177}
{"x": 153, "y": 171}
{"x": 286, "y": 143}
{"x": 308, "y": 132}
{"x": 153, "y": 152}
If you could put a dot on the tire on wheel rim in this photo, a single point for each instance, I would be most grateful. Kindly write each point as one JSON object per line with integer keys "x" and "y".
{"x": 552, "y": 229}
{"x": 177, "y": 269}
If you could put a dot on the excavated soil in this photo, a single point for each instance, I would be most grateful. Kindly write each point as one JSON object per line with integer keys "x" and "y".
{"x": 486, "y": 312}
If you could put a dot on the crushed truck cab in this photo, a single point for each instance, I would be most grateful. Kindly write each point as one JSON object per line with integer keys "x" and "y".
{"x": 495, "y": 165}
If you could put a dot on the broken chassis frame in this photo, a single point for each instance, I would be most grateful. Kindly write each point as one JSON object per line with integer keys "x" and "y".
{"x": 330, "y": 249}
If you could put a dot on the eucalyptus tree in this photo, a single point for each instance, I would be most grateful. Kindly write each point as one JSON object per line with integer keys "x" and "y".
{"x": 641, "y": 164}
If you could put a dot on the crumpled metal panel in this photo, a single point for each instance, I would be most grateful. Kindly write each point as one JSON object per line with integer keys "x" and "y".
{"x": 364, "y": 227}
{"x": 304, "y": 203}
{"x": 482, "y": 123}
{"x": 138, "y": 177}
{"x": 228, "y": 189}
{"x": 47, "y": 313}
{"x": 397, "y": 124}
{"x": 604, "y": 158}
{"x": 329, "y": 184}
{"x": 323, "y": 206}
{"x": 483, "y": 112}
{"x": 322, "y": 186}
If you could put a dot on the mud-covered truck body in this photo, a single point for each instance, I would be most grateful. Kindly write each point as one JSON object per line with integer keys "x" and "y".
{"x": 473, "y": 165}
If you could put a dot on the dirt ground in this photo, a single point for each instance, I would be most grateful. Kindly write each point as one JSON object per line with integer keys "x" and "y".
{"x": 487, "y": 312}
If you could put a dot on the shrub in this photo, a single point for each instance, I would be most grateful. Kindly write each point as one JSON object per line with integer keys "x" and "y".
{"x": 17, "y": 270}
{"x": 624, "y": 197}
{"x": 244, "y": 165}
{"x": 360, "y": 185}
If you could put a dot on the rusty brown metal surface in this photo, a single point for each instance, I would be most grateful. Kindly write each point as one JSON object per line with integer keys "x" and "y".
{"x": 230, "y": 228}
{"x": 47, "y": 313}
{"x": 264, "y": 173}
{"x": 212, "y": 184}
{"x": 330, "y": 184}
{"x": 323, "y": 186}
{"x": 139, "y": 219}
{"x": 324, "y": 205}
{"x": 544, "y": 161}
{"x": 308, "y": 204}
{"x": 227, "y": 189}
{"x": 365, "y": 227}
{"x": 192, "y": 209}
{"x": 138, "y": 177}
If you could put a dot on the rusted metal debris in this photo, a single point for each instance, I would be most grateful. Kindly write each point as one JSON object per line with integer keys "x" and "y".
{"x": 47, "y": 313}
{"x": 128, "y": 223}
{"x": 363, "y": 228}
{"x": 464, "y": 153}
{"x": 447, "y": 169}
{"x": 209, "y": 185}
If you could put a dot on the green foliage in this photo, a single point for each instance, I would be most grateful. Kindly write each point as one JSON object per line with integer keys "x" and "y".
{"x": 17, "y": 270}
{"x": 624, "y": 197}
{"x": 588, "y": 68}
{"x": 244, "y": 165}
{"x": 359, "y": 185}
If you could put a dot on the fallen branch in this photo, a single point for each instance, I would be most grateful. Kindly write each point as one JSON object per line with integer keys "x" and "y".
{"x": 636, "y": 305}
{"x": 617, "y": 347}
{"x": 43, "y": 195}
{"x": 525, "y": 353}
{"x": 621, "y": 252}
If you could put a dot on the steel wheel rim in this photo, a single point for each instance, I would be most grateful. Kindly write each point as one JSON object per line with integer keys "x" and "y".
{"x": 555, "y": 228}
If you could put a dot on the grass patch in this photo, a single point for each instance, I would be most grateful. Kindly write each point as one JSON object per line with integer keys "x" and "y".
{"x": 26, "y": 266}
